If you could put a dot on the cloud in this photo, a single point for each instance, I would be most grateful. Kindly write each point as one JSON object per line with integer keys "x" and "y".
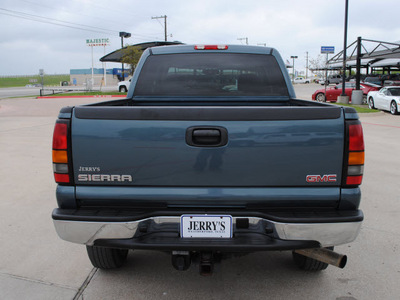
{"x": 293, "y": 27}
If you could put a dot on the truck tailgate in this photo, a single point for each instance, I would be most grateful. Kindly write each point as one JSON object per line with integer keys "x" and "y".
{"x": 158, "y": 147}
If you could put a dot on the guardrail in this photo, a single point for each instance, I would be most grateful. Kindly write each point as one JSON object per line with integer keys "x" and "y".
{"x": 63, "y": 90}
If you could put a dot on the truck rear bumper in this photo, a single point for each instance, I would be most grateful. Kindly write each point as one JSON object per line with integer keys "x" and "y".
{"x": 251, "y": 231}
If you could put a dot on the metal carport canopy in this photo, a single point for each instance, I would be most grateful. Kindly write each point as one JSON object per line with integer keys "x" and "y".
{"x": 352, "y": 63}
{"x": 364, "y": 62}
{"x": 389, "y": 62}
{"x": 116, "y": 56}
{"x": 378, "y": 51}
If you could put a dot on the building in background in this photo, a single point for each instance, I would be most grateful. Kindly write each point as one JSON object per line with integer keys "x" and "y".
{"x": 81, "y": 77}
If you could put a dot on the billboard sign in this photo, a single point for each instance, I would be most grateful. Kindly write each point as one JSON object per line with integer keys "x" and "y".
{"x": 118, "y": 71}
{"x": 327, "y": 49}
{"x": 98, "y": 42}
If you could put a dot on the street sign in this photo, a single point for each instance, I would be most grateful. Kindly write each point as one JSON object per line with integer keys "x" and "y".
{"x": 327, "y": 49}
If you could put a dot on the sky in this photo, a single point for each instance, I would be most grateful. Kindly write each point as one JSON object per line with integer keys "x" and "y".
{"x": 51, "y": 35}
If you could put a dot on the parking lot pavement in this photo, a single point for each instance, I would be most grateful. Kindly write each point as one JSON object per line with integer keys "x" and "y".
{"x": 305, "y": 91}
{"x": 36, "y": 264}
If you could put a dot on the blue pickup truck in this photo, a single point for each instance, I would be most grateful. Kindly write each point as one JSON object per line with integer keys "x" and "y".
{"x": 210, "y": 156}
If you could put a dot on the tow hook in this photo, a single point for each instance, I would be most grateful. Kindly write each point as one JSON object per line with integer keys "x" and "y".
{"x": 181, "y": 260}
{"x": 206, "y": 267}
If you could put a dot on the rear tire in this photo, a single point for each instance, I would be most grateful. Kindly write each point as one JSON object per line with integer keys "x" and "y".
{"x": 106, "y": 258}
{"x": 371, "y": 103}
{"x": 122, "y": 89}
{"x": 320, "y": 97}
{"x": 309, "y": 264}
{"x": 393, "y": 108}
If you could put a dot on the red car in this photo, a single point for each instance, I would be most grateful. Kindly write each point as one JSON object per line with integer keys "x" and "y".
{"x": 333, "y": 92}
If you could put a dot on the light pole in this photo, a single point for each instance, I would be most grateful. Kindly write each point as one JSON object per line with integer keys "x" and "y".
{"x": 123, "y": 35}
{"x": 346, "y": 13}
{"x": 293, "y": 57}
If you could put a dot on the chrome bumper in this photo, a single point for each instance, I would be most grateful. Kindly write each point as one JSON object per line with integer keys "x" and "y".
{"x": 327, "y": 234}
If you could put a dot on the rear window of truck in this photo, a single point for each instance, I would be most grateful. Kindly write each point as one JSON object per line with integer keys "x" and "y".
{"x": 211, "y": 74}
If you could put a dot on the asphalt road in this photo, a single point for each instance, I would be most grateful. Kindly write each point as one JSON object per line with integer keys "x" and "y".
{"x": 36, "y": 264}
{"x": 19, "y": 92}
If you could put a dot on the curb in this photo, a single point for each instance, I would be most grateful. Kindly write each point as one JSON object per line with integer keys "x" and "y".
{"x": 86, "y": 96}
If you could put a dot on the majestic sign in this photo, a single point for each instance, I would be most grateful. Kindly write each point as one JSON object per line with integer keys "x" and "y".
{"x": 98, "y": 42}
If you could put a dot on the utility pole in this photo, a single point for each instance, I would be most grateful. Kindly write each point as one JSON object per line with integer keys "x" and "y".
{"x": 165, "y": 24}
{"x": 245, "y": 38}
{"x": 92, "y": 65}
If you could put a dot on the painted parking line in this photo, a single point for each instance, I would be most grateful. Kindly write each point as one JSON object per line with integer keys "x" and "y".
{"x": 382, "y": 125}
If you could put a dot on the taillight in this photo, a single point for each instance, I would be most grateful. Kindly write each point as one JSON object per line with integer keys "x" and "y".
{"x": 354, "y": 156}
{"x": 61, "y": 167}
{"x": 211, "y": 47}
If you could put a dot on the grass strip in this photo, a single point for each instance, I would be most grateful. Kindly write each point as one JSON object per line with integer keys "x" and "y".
{"x": 358, "y": 108}
{"x": 21, "y": 81}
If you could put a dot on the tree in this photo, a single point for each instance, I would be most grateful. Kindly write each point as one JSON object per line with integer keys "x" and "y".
{"x": 131, "y": 56}
{"x": 318, "y": 64}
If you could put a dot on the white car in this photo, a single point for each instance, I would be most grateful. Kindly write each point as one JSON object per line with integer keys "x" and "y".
{"x": 387, "y": 98}
{"x": 301, "y": 80}
{"x": 336, "y": 79}
{"x": 124, "y": 85}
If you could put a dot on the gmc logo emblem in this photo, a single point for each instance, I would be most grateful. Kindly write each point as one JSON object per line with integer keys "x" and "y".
{"x": 319, "y": 178}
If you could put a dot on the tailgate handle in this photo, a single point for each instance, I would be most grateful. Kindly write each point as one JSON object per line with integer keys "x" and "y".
{"x": 207, "y": 136}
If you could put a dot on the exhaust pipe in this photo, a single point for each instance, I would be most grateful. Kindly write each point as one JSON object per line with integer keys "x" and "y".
{"x": 325, "y": 255}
